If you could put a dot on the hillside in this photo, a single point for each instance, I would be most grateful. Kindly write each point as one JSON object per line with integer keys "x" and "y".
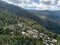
{"x": 22, "y": 27}
{"x": 49, "y": 22}
{"x": 49, "y": 19}
{"x": 22, "y": 30}
{"x": 55, "y": 15}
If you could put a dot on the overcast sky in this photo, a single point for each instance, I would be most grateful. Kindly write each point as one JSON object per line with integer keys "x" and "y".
{"x": 37, "y": 4}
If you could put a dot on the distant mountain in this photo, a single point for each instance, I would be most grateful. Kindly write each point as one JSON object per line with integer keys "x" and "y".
{"x": 49, "y": 24}
{"x": 55, "y": 15}
{"x": 51, "y": 18}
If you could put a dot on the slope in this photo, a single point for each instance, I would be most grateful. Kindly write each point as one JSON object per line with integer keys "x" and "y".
{"x": 14, "y": 30}
{"x": 55, "y": 15}
{"x": 47, "y": 23}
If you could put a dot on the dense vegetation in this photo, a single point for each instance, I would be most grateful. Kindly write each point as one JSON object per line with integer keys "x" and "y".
{"x": 49, "y": 20}
{"x": 11, "y": 31}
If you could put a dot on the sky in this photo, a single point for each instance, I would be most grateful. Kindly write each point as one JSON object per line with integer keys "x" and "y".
{"x": 36, "y": 4}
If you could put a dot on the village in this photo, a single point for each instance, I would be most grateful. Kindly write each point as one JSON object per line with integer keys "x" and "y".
{"x": 30, "y": 32}
{"x": 33, "y": 33}
{"x": 46, "y": 40}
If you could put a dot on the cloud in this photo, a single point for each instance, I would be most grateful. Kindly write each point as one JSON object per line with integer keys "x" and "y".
{"x": 37, "y": 4}
{"x": 58, "y": 2}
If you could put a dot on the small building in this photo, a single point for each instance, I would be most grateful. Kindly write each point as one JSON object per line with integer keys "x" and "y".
{"x": 33, "y": 33}
{"x": 23, "y": 33}
{"x": 54, "y": 41}
{"x": 19, "y": 24}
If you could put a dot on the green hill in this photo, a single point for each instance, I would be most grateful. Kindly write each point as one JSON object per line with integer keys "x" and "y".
{"x": 16, "y": 30}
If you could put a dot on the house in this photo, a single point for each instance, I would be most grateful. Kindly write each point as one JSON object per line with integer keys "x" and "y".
{"x": 23, "y": 33}
{"x": 41, "y": 35}
{"x": 19, "y": 24}
{"x": 10, "y": 27}
{"x": 54, "y": 41}
{"x": 33, "y": 33}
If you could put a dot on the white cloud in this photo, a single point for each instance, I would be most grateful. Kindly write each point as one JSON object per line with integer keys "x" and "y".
{"x": 43, "y": 5}
{"x": 58, "y": 2}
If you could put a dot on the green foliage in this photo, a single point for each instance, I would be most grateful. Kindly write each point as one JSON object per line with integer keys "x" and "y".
{"x": 10, "y": 31}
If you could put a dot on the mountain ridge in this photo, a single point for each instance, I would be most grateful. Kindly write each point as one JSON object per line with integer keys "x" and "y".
{"x": 47, "y": 23}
